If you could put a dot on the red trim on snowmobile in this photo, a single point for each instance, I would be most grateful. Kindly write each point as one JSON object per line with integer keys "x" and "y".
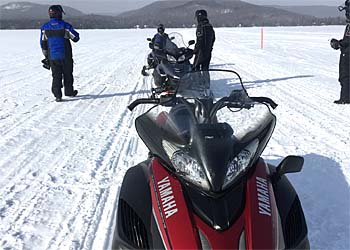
{"x": 259, "y": 221}
{"x": 260, "y": 211}
{"x": 179, "y": 226}
{"x": 169, "y": 206}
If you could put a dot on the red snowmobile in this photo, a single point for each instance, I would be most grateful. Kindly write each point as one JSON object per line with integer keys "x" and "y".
{"x": 205, "y": 185}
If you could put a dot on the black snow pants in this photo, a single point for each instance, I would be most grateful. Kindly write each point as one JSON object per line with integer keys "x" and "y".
{"x": 202, "y": 60}
{"x": 344, "y": 76}
{"x": 62, "y": 70}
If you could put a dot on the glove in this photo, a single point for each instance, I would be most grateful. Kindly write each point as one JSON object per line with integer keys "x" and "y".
{"x": 46, "y": 63}
{"x": 335, "y": 44}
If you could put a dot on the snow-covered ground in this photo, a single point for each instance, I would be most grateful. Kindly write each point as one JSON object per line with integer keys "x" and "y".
{"x": 61, "y": 164}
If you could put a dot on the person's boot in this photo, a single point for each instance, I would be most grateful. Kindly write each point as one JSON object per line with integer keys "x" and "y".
{"x": 340, "y": 101}
{"x": 58, "y": 99}
{"x": 74, "y": 93}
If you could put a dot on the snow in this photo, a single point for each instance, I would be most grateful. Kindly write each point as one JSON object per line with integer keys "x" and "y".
{"x": 61, "y": 164}
{"x": 16, "y": 6}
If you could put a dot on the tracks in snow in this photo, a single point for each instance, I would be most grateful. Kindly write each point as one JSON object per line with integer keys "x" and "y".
{"x": 62, "y": 181}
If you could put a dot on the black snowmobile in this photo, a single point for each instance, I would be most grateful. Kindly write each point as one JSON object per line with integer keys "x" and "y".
{"x": 170, "y": 63}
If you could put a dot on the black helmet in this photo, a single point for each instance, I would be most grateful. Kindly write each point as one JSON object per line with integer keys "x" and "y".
{"x": 347, "y": 10}
{"x": 200, "y": 14}
{"x": 160, "y": 28}
{"x": 55, "y": 11}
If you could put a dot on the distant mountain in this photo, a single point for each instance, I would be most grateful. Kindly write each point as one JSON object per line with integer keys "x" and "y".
{"x": 179, "y": 13}
{"x": 317, "y": 11}
{"x": 27, "y": 10}
{"x": 221, "y": 13}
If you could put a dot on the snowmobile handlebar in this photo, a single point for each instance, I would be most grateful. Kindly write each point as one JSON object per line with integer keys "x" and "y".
{"x": 143, "y": 101}
{"x": 171, "y": 99}
{"x": 265, "y": 100}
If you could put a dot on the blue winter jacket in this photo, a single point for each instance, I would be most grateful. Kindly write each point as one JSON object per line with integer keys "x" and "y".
{"x": 159, "y": 40}
{"x": 54, "y": 39}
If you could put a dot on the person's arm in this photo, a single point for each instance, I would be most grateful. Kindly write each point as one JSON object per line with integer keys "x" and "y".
{"x": 345, "y": 42}
{"x": 213, "y": 35}
{"x": 200, "y": 39}
{"x": 71, "y": 33}
{"x": 43, "y": 43}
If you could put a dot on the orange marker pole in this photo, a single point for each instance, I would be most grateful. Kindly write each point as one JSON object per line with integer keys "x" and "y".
{"x": 262, "y": 38}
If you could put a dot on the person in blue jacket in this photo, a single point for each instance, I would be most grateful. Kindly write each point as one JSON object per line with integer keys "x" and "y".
{"x": 55, "y": 44}
{"x": 160, "y": 38}
{"x": 159, "y": 42}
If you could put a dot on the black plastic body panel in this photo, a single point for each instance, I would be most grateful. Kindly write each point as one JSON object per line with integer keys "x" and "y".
{"x": 135, "y": 193}
{"x": 291, "y": 213}
{"x": 218, "y": 211}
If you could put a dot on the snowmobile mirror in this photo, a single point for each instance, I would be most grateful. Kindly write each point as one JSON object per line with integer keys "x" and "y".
{"x": 191, "y": 42}
{"x": 149, "y": 39}
{"x": 290, "y": 164}
{"x": 341, "y": 8}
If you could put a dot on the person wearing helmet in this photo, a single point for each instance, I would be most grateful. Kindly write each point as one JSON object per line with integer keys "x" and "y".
{"x": 159, "y": 39}
{"x": 344, "y": 62}
{"x": 55, "y": 44}
{"x": 158, "y": 43}
{"x": 205, "y": 40}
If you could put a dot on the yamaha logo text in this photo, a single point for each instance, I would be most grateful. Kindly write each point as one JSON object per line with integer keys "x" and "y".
{"x": 167, "y": 197}
{"x": 262, "y": 189}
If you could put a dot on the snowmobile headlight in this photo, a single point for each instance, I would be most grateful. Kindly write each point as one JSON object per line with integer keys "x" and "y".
{"x": 181, "y": 58}
{"x": 187, "y": 167}
{"x": 241, "y": 162}
{"x": 170, "y": 58}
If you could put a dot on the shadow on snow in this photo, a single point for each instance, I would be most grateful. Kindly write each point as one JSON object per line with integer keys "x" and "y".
{"x": 325, "y": 197}
{"x": 256, "y": 83}
{"x": 89, "y": 96}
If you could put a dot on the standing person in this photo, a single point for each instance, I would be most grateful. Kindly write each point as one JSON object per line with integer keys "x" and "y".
{"x": 344, "y": 62}
{"x": 56, "y": 47}
{"x": 205, "y": 41}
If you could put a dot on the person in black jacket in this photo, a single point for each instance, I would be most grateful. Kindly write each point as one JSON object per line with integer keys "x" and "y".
{"x": 205, "y": 41}
{"x": 56, "y": 47}
{"x": 344, "y": 62}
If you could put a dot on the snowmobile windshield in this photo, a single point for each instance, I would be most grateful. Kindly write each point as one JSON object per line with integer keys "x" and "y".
{"x": 212, "y": 121}
{"x": 197, "y": 94}
{"x": 174, "y": 44}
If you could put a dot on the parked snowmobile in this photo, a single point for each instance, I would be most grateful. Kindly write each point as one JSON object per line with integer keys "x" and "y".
{"x": 170, "y": 63}
{"x": 205, "y": 185}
